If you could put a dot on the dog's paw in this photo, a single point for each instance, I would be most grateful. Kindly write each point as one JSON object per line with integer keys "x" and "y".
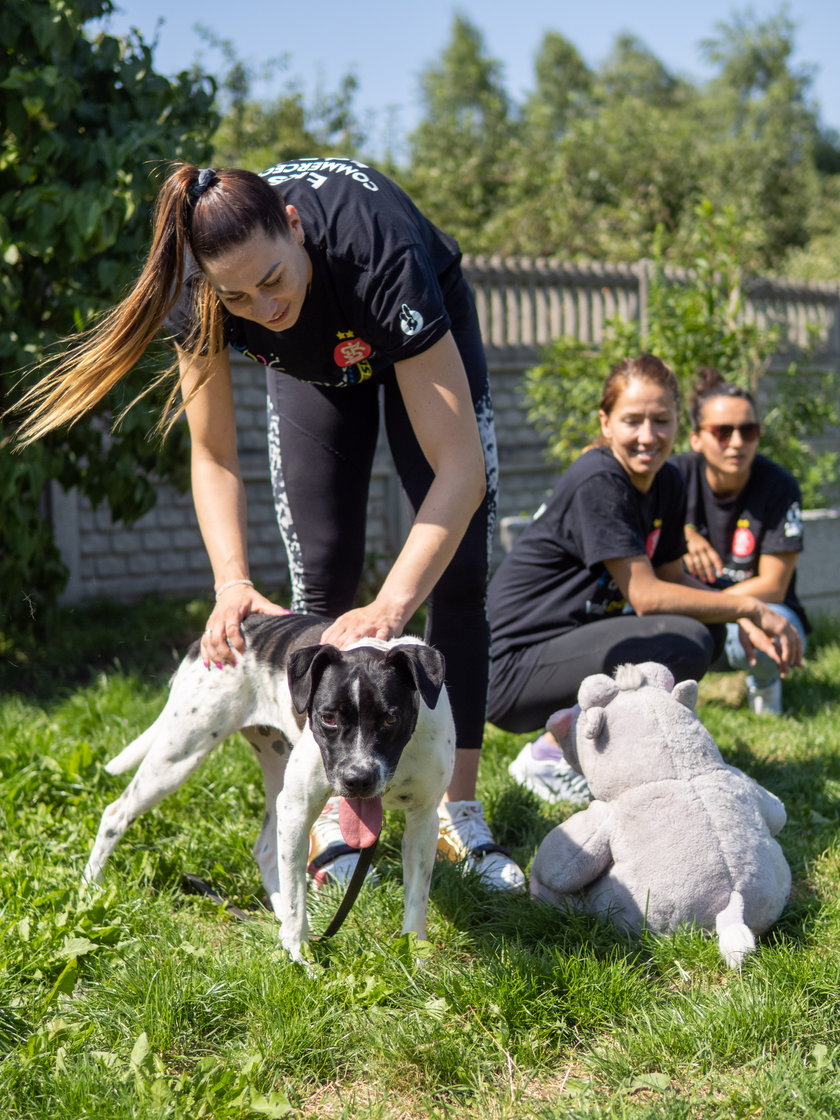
{"x": 301, "y": 953}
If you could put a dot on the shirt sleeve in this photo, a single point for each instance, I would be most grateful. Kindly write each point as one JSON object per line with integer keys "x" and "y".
{"x": 404, "y": 305}
{"x": 607, "y": 520}
{"x": 783, "y": 531}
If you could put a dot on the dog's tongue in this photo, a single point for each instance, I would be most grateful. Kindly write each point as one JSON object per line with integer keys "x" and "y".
{"x": 360, "y": 819}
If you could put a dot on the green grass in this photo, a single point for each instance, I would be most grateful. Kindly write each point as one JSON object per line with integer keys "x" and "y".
{"x": 145, "y": 1002}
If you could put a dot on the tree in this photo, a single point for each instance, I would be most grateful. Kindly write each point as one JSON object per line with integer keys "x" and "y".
{"x": 603, "y": 162}
{"x": 563, "y": 91}
{"x": 459, "y": 151}
{"x": 632, "y": 70}
{"x": 88, "y": 125}
{"x": 256, "y": 133}
{"x": 763, "y": 159}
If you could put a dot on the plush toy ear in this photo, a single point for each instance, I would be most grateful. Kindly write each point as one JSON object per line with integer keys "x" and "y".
{"x": 598, "y": 689}
{"x": 593, "y": 721}
{"x": 658, "y": 675}
{"x": 686, "y": 693}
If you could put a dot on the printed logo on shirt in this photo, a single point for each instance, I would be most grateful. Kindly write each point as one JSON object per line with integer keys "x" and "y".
{"x": 606, "y": 598}
{"x": 351, "y": 350}
{"x": 653, "y": 538}
{"x": 411, "y": 321}
{"x": 793, "y": 521}
{"x": 743, "y": 541}
{"x": 315, "y": 172}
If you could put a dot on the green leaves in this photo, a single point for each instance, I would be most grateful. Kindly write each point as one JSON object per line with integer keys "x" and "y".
{"x": 83, "y": 130}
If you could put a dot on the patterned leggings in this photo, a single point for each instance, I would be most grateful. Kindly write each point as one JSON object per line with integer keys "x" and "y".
{"x": 321, "y": 449}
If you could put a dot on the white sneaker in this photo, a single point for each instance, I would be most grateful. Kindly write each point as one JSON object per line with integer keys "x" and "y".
{"x": 765, "y": 701}
{"x": 331, "y": 859}
{"x": 549, "y": 775}
{"x": 465, "y": 835}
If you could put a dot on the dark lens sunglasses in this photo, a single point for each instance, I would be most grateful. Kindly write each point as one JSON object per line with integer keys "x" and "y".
{"x": 723, "y": 433}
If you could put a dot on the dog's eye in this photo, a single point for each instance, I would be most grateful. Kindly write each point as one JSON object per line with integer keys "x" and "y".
{"x": 389, "y": 721}
{"x": 328, "y": 719}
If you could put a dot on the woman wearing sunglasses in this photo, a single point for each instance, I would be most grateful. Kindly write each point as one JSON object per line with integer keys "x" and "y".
{"x": 743, "y": 521}
{"x": 597, "y": 580}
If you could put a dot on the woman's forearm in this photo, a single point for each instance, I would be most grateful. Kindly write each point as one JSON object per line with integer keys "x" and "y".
{"x": 671, "y": 591}
{"x": 219, "y": 498}
{"x": 705, "y": 606}
{"x": 431, "y": 543}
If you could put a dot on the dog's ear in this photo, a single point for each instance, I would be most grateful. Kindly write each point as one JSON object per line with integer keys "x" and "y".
{"x": 304, "y": 671}
{"x": 425, "y": 666}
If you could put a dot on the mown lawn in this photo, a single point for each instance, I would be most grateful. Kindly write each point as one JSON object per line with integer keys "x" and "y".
{"x": 144, "y": 1001}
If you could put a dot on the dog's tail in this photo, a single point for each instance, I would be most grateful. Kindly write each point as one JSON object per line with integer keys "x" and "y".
{"x": 735, "y": 938}
{"x": 133, "y": 754}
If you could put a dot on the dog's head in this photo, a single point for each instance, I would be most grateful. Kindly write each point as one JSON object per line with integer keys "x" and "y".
{"x": 362, "y": 706}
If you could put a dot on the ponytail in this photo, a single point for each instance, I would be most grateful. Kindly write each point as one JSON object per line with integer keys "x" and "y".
{"x": 203, "y": 212}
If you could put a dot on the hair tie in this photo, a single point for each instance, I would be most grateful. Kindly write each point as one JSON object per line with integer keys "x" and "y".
{"x": 206, "y": 178}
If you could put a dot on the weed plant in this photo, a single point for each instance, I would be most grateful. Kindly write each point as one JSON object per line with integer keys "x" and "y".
{"x": 146, "y": 1002}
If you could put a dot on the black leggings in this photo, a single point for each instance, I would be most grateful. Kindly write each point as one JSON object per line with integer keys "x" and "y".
{"x": 321, "y": 448}
{"x": 526, "y": 686}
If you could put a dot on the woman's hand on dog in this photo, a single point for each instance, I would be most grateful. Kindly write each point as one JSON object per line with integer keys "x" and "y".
{"x": 376, "y": 620}
{"x": 222, "y": 641}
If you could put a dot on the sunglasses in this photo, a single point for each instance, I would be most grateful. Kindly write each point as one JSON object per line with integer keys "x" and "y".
{"x": 723, "y": 433}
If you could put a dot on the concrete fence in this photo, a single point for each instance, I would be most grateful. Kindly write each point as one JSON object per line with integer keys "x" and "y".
{"x": 522, "y": 305}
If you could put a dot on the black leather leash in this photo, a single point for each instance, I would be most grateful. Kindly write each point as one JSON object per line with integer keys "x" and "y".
{"x": 351, "y": 892}
{"x": 194, "y": 885}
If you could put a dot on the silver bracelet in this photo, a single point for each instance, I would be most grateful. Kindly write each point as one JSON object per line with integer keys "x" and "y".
{"x": 232, "y": 583}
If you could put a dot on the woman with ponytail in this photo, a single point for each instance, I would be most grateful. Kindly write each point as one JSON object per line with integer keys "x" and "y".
{"x": 325, "y": 273}
{"x": 743, "y": 521}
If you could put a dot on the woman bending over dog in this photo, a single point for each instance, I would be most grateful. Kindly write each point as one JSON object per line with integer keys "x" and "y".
{"x": 325, "y": 273}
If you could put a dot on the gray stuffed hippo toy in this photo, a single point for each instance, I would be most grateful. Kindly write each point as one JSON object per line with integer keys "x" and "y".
{"x": 674, "y": 835}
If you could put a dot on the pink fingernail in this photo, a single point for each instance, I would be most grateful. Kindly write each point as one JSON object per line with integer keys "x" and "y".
{"x": 220, "y": 665}
{"x": 206, "y": 664}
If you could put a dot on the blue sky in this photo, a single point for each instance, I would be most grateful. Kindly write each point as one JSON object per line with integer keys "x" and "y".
{"x": 387, "y": 44}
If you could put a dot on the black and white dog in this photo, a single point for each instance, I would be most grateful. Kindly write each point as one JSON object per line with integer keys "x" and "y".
{"x": 371, "y": 723}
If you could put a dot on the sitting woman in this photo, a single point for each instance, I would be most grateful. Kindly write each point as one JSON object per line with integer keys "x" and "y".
{"x": 743, "y": 521}
{"x": 597, "y": 579}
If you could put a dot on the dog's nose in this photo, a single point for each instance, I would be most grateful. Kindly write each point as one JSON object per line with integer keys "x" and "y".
{"x": 359, "y": 782}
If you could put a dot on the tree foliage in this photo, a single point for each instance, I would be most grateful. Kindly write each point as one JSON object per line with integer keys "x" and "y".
{"x": 256, "y": 132}
{"x": 596, "y": 161}
{"x": 461, "y": 149}
{"x": 88, "y": 124}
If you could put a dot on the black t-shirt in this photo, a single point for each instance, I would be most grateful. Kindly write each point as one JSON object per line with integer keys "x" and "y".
{"x": 381, "y": 273}
{"x": 765, "y": 518}
{"x": 554, "y": 578}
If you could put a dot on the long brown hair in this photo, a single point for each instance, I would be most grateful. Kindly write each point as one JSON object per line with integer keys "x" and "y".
{"x": 203, "y": 213}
